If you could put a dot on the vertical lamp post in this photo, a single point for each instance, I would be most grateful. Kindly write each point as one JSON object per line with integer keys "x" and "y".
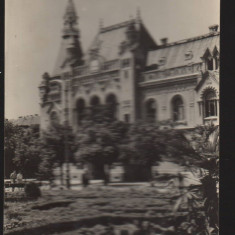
{"x": 66, "y": 127}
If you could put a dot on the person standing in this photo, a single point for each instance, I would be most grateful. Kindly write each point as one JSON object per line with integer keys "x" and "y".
{"x": 13, "y": 179}
{"x": 19, "y": 178}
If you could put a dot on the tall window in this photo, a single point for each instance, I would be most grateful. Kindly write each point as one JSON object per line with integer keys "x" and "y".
{"x": 216, "y": 62}
{"x": 150, "y": 110}
{"x": 95, "y": 105}
{"x": 177, "y": 108}
{"x": 80, "y": 110}
{"x": 209, "y": 62}
{"x": 210, "y": 104}
{"x": 111, "y": 103}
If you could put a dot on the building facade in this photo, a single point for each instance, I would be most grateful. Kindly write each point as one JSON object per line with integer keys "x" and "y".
{"x": 139, "y": 79}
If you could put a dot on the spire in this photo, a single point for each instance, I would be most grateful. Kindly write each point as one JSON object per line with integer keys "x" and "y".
{"x": 138, "y": 16}
{"x": 70, "y": 52}
{"x": 70, "y": 20}
{"x": 131, "y": 31}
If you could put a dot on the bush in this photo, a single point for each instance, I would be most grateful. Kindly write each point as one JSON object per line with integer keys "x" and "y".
{"x": 32, "y": 190}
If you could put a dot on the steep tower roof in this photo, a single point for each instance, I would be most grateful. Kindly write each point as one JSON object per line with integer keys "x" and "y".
{"x": 70, "y": 53}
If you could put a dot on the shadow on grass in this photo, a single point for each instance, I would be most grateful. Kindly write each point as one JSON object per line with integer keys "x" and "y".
{"x": 61, "y": 227}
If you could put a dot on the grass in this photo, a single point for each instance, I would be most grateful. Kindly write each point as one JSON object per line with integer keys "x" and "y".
{"x": 70, "y": 211}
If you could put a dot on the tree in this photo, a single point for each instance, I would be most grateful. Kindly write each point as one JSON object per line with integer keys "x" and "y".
{"x": 54, "y": 145}
{"x": 98, "y": 143}
{"x": 27, "y": 152}
{"x": 205, "y": 142}
{"x": 142, "y": 148}
{"x": 11, "y": 138}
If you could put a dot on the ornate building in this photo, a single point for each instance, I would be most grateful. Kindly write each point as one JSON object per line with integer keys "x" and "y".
{"x": 139, "y": 79}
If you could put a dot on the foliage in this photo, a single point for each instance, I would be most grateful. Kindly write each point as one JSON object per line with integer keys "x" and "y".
{"x": 54, "y": 139}
{"x": 143, "y": 145}
{"x": 148, "y": 143}
{"x": 99, "y": 141}
{"x": 47, "y": 163}
{"x": 22, "y": 148}
{"x": 11, "y": 138}
{"x": 205, "y": 140}
{"x": 27, "y": 152}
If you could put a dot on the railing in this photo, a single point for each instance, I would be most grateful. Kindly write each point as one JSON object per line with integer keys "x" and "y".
{"x": 160, "y": 74}
{"x": 105, "y": 67}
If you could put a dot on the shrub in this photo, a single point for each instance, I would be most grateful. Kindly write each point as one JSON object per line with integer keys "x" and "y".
{"x": 32, "y": 190}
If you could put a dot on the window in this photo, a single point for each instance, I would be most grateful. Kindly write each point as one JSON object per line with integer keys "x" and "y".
{"x": 111, "y": 103}
{"x": 210, "y": 104}
{"x": 80, "y": 110}
{"x": 127, "y": 118}
{"x": 126, "y": 63}
{"x": 216, "y": 63}
{"x": 94, "y": 66}
{"x": 95, "y": 106}
{"x": 151, "y": 110}
{"x": 209, "y": 63}
{"x": 188, "y": 55}
{"x": 54, "y": 119}
{"x": 162, "y": 61}
{"x": 177, "y": 109}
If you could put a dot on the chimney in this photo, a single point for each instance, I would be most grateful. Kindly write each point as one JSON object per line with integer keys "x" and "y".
{"x": 213, "y": 28}
{"x": 164, "y": 41}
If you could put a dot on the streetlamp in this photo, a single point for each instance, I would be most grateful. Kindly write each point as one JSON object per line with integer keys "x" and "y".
{"x": 66, "y": 127}
{"x": 65, "y": 85}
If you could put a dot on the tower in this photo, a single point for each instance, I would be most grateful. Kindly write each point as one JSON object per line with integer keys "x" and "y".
{"x": 70, "y": 52}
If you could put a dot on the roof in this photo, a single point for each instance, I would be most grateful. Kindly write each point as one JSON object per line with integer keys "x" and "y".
{"x": 27, "y": 120}
{"x": 175, "y": 53}
{"x": 108, "y": 40}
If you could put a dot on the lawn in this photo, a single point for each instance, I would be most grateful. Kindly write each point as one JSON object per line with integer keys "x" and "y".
{"x": 93, "y": 210}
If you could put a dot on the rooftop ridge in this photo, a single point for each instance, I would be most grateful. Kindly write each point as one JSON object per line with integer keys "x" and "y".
{"x": 116, "y": 26}
{"x": 191, "y": 39}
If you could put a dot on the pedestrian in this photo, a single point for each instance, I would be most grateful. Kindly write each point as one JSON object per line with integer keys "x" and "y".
{"x": 13, "y": 180}
{"x": 19, "y": 178}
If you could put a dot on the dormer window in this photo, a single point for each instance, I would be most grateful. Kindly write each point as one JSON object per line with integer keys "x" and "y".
{"x": 125, "y": 63}
{"x": 211, "y": 59}
{"x": 188, "y": 55}
{"x": 94, "y": 66}
{"x": 162, "y": 61}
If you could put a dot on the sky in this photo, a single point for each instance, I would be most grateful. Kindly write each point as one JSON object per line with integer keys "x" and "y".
{"x": 33, "y": 35}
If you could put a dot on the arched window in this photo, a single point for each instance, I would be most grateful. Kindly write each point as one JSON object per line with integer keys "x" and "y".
{"x": 80, "y": 110}
{"x": 177, "y": 108}
{"x": 95, "y": 101}
{"x": 111, "y": 102}
{"x": 95, "y": 105}
{"x": 54, "y": 119}
{"x": 210, "y": 104}
{"x": 150, "y": 110}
